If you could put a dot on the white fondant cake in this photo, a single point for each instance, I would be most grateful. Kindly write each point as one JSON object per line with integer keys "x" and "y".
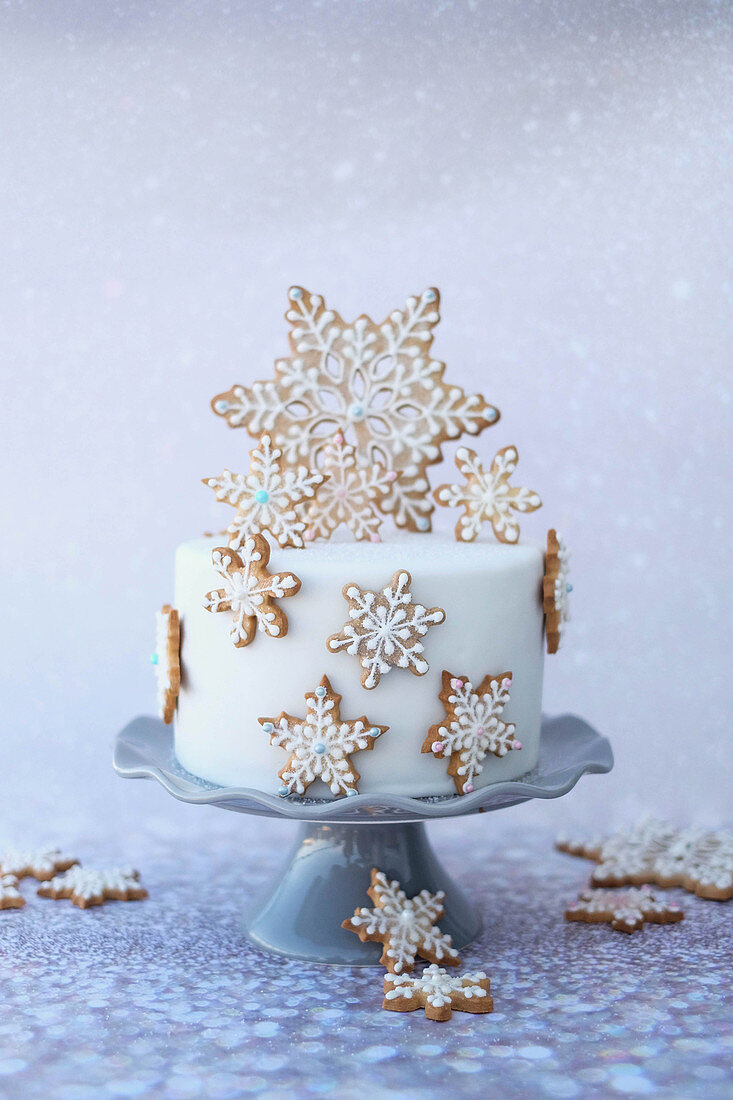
{"x": 491, "y": 595}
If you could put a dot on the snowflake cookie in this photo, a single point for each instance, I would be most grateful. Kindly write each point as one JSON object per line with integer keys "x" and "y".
{"x": 659, "y": 854}
{"x": 472, "y": 726}
{"x": 320, "y": 745}
{"x": 438, "y": 992}
{"x": 625, "y": 910}
{"x": 267, "y": 498}
{"x": 375, "y": 383}
{"x": 10, "y": 898}
{"x": 487, "y": 497}
{"x": 350, "y": 495}
{"x": 250, "y": 590}
{"x": 87, "y": 887}
{"x": 385, "y": 628}
{"x": 166, "y": 660}
{"x": 555, "y": 590}
{"x": 38, "y": 863}
{"x": 404, "y": 926}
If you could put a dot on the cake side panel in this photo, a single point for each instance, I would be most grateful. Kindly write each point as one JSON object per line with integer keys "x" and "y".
{"x": 491, "y": 596}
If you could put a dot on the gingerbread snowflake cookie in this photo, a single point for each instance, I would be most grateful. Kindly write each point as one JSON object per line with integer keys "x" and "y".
{"x": 406, "y": 927}
{"x": 86, "y": 887}
{"x": 38, "y": 863}
{"x": 487, "y": 496}
{"x": 268, "y": 498}
{"x": 472, "y": 726}
{"x": 250, "y": 591}
{"x": 384, "y": 629}
{"x": 555, "y": 590}
{"x": 659, "y": 854}
{"x": 350, "y": 495}
{"x": 377, "y": 384}
{"x": 438, "y": 992}
{"x": 625, "y": 910}
{"x": 10, "y": 897}
{"x": 166, "y": 660}
{"x": 321, "y": 743}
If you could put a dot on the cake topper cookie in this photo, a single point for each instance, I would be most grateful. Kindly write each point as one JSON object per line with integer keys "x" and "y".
{"x": 321, "y": 744}
{"x": 659, "y": 854}
{"x": 38, "y": 863}
{"x": 10, "y": 898}
{"x": 375, "y": 383}
{"x": 438, "y": 992}
{"x": 555, "y": 590}
{"x": 351, "y": 495}
{"x": 250, "y": 590}
{"x": 384, "y": 629}
{"x": 87, "y": 887}
{"x": 268, "y": 497}
{"x": 625, "y": 910}
{"x": 487, "y": 497}
{"x": 406, "y": 927}
{"x": 166, "y": 660}
{"x": 472, "y": 726}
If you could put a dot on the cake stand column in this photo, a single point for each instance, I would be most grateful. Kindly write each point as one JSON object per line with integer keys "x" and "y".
{"x": 326, "y": 878}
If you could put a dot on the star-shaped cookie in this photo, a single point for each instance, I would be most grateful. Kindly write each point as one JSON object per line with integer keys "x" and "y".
{"x": 625, "y": 910}
{"x": 438, "y": 992}
{"x": 250, "y": 591}
{"x": 487, "y": 497}
{"x": 166, "y": 660}
{"x": 87, "y": 887}
{"x": 38, "y": 863}
{"x": 555, "y": 590}
{"x": 10, "y": 898}
{"x": 351, "y": 495}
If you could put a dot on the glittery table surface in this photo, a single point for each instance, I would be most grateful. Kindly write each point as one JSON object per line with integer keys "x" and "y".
{"x": 165, "y": 998}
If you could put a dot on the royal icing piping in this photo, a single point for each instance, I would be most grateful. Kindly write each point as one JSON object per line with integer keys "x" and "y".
{"x": 438, "y": 992}
{"x": 166, "y": 661}
{"x": 87, "y": 887}
{"x": 625, "y": 910}
{"x": 487, "y": 497}
{"x": 351, "y": 495}
{"x": 249, "y": 591}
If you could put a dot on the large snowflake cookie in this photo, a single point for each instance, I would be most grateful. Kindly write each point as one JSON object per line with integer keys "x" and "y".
{"x": 166, "y": 660}
{"x": 86, "y": 887}
{"x": 10, "y": 897}
{"x": 660, "y": 854}
{"x": 350, "y": 495}
{"x": 487, "y": 497}
{"x": 438, "y": 992}
{"x": 625, "y": 910}
{"x": 375, "y": 383}
{"x": 38, "y": 863}
{"x": 406, "y": 927}
{"x": 384, "y": 629}
{"x": 267, "y": 498}
{"x": 249, "y": 590}
{"x": 320, "y": 745}
{"x": 472, "y": 726}
{"x": 555, "y": 590}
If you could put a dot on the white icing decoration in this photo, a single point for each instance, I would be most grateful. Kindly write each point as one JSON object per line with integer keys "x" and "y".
{"x": 249, "y": 590}
{"x": 487, "y": 497}
{"x": 385, "y": 629}
{"x": 349, "y": 495}
{"x": 438, "y": 986}
{"x": 86, "y": 884}
{"x": 561, "y": 593}
{"x": 36, "y": 862}
{"x": 475, "y": 728}
{"x": 406, "y": 925}
{"x": 375, "y": 383}
{"x": 9, "y": 892}
{"x": 627, "y": 909}
{"x": 267, "y": 497}
{"x": 162, "y": 663}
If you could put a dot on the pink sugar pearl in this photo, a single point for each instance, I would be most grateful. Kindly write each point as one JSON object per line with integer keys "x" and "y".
{"x": 338, "y": 438}
{"x": 374, "y": 538}
{"x": 309, "y": 535}
{"x": 457, "y": 684}
{"x": 437, "y": 746}
{"x": 468, "y": 789}
{"x": 392, "y": 475}
{"x": 517, "y": 745}
{"x": 506, "y": 683}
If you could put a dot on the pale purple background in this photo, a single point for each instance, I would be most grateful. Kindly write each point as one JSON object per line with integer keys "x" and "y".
{"x": 562, "y": 171}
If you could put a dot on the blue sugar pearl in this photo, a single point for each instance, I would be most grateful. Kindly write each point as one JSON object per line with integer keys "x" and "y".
{"x": 283, "y": 791}
{"x": 154, "y": 658}
{"x": 375, "y": 731}
{"x": 221, "y": 406}
{"x": 356, "y": 412}
{"x": 568, "y": 588}
{"x": 262, "y": 496}
{"x": 422, "y": 523}
{"x": 296, "y": 293}
{"x": 320, "y": 748}
{"x": 320, "y": 691}
{"x": 268, "y": 727}
{"x": 350, "y": 792}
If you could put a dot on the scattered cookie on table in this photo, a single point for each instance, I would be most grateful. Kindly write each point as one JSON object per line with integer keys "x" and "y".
{"x": 472, "y": 726}
{"x": 166, "y": 661}
{"x": 250, "y": 591}
{"x": 625, "y": 910}
{"x": 487, "y": 497}
{"x": 268, "y": 498}
{"x": 86, "y": 887}
{"x": 375, "y": 383}
{"x": 38, "y": 863}
{"x": 438, "y": 992}
{"x": 321, "y": 744}
{"x": 555, "y": 590}
{"x": 10, "y": 898}
{"x": 406, "y": 927}
{"x": 350, "y": 495}
{"x": 659, "y": 854}
{"x": 384, "y": 629}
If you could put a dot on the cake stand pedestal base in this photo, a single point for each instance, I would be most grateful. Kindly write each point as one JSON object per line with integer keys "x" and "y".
{"x": 325, "y": 879}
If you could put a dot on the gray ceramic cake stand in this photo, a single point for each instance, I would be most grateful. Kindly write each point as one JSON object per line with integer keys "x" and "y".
{"x": 326, "y": 875}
